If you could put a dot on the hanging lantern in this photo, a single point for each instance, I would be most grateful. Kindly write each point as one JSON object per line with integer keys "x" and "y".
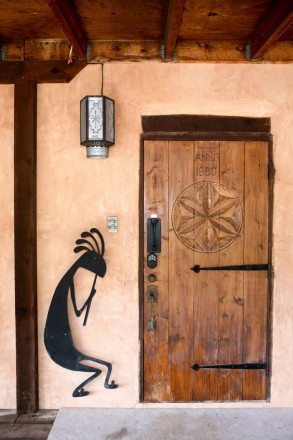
{"x": 97, "y": 125}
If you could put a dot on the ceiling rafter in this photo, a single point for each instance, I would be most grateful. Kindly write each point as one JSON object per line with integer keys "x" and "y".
{"x": 175, "y": 12}
{"x": 271, "y": 28}
{"x": 67, "y": 17}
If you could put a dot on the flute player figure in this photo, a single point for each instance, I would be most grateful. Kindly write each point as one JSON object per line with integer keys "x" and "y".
{"x": 57, "y": 334}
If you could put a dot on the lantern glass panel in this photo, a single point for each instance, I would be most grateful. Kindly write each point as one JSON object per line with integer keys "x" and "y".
{"x": 95, "y": 118}
{"x": 83, "y": 120}
{"x": 109, "y": 120}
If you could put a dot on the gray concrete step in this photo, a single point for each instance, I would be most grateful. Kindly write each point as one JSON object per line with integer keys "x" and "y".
{"x": 171, "y": 424}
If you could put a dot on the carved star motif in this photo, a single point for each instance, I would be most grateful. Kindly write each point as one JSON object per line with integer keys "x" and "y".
{"x": 207, "y": 217}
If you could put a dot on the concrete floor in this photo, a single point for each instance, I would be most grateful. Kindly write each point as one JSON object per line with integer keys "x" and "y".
{"x": 171, "y": 424}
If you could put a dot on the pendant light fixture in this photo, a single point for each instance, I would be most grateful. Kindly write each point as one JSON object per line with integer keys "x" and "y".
{"x": 97, "y": 124}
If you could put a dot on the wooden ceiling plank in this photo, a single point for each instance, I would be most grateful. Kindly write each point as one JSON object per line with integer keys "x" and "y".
{"x": 39, "y": 71}
{"x": 273, "y": 25}
{"x": 70, "y": 23}
{"x": 175, "y": 12}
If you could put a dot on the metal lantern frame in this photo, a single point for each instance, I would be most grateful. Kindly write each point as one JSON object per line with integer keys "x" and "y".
{"x": 99, "y": 147}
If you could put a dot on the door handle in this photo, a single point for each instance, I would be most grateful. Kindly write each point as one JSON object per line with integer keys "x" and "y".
{"x": 154, "y": 222}
{"x": 154, "y": 235}
{"x": 152, "y": 298}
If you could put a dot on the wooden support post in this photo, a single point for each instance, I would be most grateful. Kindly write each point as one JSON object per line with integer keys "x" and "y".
{"x": 25, "y": 123}
{"x": 25, "y": 76}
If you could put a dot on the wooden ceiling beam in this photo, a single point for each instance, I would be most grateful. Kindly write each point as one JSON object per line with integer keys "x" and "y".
{"x": 41, "y": 52}
{"x": 67, "y": 17}
{"x": 187, "y": 51}
{"x": 270, "y": 29}
{"x": 174, "y": 19}
{"x": 40, "y": 71}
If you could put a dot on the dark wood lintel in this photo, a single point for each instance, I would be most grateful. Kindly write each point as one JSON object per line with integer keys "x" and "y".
{"x": 206, "y": 136}
{"x": 204, "y": 123}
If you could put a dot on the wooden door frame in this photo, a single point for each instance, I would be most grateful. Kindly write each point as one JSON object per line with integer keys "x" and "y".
{"x": 204, "y": 128}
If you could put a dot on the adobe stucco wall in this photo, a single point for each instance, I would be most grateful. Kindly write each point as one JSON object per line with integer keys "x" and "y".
{"x": 75, "y": 193}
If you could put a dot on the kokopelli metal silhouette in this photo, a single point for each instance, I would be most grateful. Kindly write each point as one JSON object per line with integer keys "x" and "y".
{"x": 57, "y": 335}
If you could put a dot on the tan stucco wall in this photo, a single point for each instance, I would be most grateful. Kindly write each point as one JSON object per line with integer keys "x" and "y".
{"x": 75, "y": 193}
{"x": 7, "y": 312}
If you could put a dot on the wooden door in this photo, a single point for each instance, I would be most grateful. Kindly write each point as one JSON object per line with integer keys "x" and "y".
{"x": 212, "y": 198}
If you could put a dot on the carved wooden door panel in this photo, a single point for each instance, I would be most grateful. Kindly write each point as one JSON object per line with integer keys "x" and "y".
{"x": 212, "y": 200}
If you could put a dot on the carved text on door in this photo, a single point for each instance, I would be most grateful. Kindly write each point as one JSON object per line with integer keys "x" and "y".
{"x": 207, "y": 217}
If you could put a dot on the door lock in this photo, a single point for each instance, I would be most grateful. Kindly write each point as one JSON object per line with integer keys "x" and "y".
{"x": 152, "y": 261}
{"x": 152, "y": 278}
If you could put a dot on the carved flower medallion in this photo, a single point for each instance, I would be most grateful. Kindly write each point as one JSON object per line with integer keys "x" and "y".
{"x": 207, "y": 217}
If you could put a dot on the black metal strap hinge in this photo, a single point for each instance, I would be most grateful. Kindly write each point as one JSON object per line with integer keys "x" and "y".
{"x": 249, "y": 366}
{"x": 255, "y": 267}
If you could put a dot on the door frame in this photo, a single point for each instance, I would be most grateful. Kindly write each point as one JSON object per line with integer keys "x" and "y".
{"x": 204, "y": 128}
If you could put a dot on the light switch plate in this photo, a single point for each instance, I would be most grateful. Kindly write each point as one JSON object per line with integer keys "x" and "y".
{"x": 112, "y": 224}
